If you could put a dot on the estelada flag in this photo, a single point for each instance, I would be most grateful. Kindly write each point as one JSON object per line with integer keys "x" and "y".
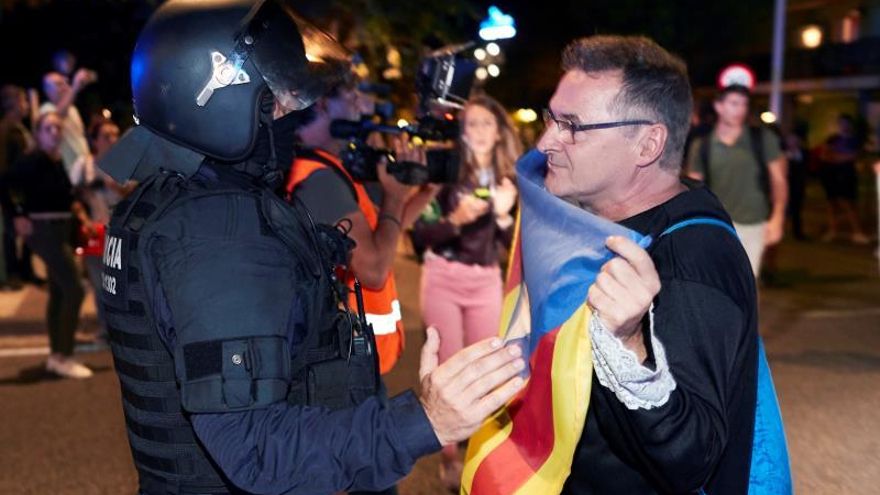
{"x": 527, "y": 446}
{"x": 558, "y": 249}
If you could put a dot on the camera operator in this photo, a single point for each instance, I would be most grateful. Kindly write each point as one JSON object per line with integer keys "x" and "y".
{"x": 319, "y": 179}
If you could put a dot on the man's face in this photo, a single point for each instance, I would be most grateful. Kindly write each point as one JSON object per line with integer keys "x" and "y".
{"x": 594, "y": 163}
{"x": 24, "y": 107}
{"x": 844, "y": 127}
{"x": 346, "y": 105}
{"x": 55, "y": 86}
{"x": 106, "y": 138}
{"x": 733, "y": 109}
{"x": 64, "y": 63}
{"x": 20, "y": 108}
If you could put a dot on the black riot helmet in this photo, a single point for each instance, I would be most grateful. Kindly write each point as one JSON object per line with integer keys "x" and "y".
{"x": 200, "y": 70}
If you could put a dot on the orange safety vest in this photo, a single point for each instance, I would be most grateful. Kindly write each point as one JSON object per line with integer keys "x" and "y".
{"x": 381, "y": 305}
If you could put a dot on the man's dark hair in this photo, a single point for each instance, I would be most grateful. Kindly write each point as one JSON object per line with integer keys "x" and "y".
{"x": 733, "y": 89}
{"x": 655, "y": 83}
{"x": 308, "y": 115}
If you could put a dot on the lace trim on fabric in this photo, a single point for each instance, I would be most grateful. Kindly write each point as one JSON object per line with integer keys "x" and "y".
{"x": 618, "y": 368}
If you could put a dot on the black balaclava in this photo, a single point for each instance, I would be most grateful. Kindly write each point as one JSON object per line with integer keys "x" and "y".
{"x": 273, "y": 135}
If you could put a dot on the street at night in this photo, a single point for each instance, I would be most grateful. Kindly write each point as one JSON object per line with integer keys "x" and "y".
{"x": 821, "y": 325}
{"x": 374, "y": 247}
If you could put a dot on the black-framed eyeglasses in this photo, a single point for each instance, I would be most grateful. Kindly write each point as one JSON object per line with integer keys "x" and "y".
{"x": 567, "y": 129}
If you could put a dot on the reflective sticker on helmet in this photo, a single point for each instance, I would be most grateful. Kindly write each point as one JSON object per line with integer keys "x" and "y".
{"x": 223, "y": 73}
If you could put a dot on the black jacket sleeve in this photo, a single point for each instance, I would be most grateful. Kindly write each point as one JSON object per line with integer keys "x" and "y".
{"x": 679, "y": 444}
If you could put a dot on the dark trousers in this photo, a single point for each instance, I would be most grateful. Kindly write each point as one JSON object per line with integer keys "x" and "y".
{"x": 797, "y": 182}
{"x": 50, "y": 241}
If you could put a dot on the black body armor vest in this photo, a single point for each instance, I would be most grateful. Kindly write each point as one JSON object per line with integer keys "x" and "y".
{"x": 334, "y": 366}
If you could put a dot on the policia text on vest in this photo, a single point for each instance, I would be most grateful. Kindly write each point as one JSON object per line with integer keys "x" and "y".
{"x": 112, "y": 261}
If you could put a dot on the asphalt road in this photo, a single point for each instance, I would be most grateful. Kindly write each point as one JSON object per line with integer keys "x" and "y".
{"x": 820, "y": 321}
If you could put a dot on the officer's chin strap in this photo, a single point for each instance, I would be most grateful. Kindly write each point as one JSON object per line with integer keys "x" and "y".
{"x": 264, "y": 164}
{"x": 272, "y": 174}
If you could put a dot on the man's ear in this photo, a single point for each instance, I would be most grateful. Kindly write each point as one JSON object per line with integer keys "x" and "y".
{"x": 651, "y": 144}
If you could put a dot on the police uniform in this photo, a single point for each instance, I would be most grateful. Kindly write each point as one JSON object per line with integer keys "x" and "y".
{"x": 241, "y": 368}
{"x": 381, "y": 306}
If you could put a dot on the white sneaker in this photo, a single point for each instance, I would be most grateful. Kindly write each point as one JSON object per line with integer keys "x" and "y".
{"x": 67, "y": 368}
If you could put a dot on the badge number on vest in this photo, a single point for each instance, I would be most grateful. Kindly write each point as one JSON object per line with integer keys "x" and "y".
{"x": 113, "y": 261}
{"x": 114, "y": 276}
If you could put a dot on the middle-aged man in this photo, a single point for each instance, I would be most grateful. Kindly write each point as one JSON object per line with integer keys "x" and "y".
{"x": 240, "y": 371}
{"x": 678, "y": 421}
{"x": 745, "y": 167}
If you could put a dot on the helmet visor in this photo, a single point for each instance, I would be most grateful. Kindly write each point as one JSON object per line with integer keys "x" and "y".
{"x": 298, "y": 61}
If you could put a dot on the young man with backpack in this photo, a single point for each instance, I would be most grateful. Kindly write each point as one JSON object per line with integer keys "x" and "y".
{"x": 745, "y": 168}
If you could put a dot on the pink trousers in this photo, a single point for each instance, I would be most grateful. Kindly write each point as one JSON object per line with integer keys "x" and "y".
{"x": 462, "y": 301}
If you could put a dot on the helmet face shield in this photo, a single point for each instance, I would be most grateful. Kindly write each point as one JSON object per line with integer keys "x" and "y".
{"x": 298, "y": 61}
{"x": 200, "y": 69}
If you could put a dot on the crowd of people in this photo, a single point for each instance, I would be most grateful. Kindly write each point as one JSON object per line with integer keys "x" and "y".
{"x": 761, "y": 174}
{"x": 55, "y": 200}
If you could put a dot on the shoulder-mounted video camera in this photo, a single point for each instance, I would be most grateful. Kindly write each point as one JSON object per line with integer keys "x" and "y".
{"x": 443, "y": 83}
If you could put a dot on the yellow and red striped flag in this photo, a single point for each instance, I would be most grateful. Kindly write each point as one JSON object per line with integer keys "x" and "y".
{"x": 558, "y": 248}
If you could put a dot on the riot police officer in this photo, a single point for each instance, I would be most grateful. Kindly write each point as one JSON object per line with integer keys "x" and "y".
{"x": 241, "y": 367}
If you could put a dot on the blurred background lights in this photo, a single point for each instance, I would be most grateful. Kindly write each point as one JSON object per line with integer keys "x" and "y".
{"x": 498, "y": 26}
{"x": 525, "y": 115}
{"x": 811, "y": 36}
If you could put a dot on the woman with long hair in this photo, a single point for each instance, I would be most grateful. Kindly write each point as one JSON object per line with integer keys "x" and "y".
{"x": 44, "y": 212}
{"x": 462, "y": 231}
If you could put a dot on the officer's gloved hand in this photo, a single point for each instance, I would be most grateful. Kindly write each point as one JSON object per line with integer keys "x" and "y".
{"x": 472, "y": 384}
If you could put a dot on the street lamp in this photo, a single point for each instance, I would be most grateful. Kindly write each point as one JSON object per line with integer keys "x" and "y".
{"x": 811, "y": 36}
{"x": 768, "y": 117}
{"x": 493, "y": 49}
{"x": 498, "y": 26}
{"x": 525, "y": 115}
